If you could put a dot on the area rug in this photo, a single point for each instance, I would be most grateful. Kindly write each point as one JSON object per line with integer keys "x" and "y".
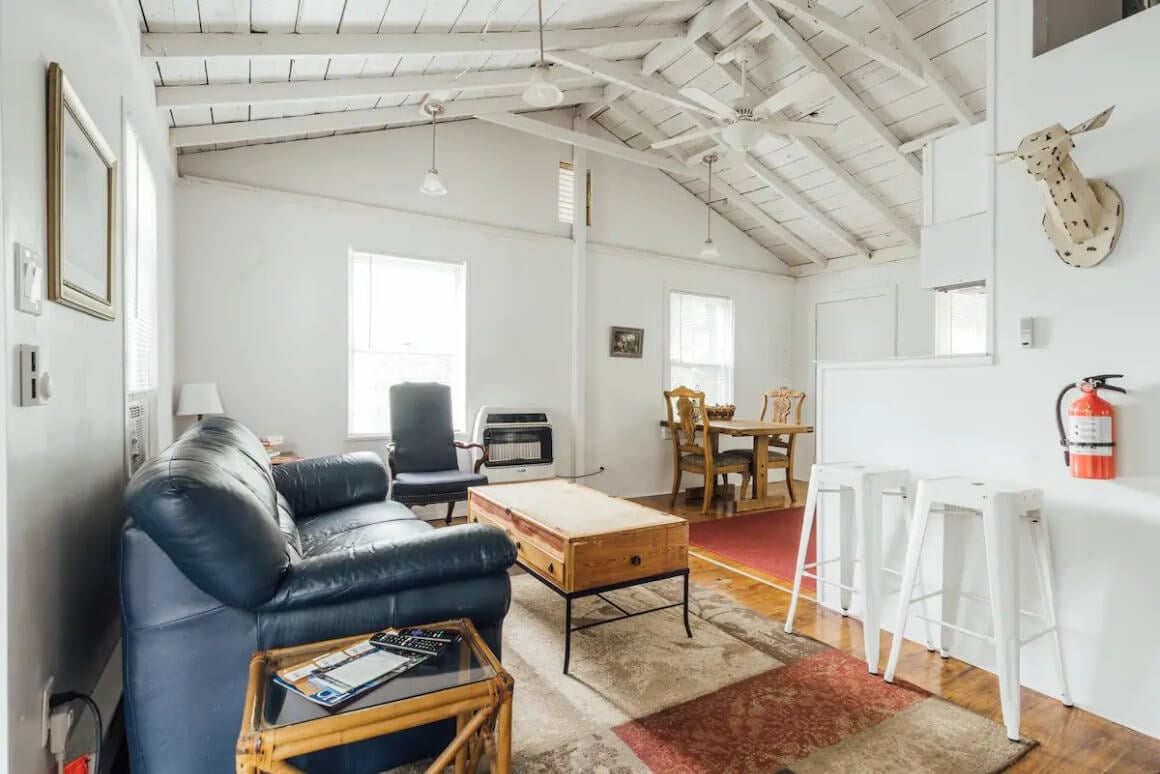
{"x": 766, "y": 541}
{"x": 740, "y": 697}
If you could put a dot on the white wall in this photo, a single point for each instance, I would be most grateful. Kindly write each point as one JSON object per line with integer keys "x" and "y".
{"x": 263, "y": 273}
{"x": 65, "y": 460}
{"x": 996, "y": 421}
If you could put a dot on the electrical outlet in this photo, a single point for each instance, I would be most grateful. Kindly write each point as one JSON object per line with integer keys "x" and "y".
{"x": 45, "y": 710}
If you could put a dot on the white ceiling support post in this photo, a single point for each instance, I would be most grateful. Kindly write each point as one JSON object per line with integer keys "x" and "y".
{"x": 788, "y": 34}
{"x": 349, "y": 120}
{"x": 797, "y": 199}
{"x": 579, "y": 301}
{"x": 815, "y": 151}
{"x": 909, "y": 46}
{"x": 841, "y": 28}
{"x": 211, "y": 45}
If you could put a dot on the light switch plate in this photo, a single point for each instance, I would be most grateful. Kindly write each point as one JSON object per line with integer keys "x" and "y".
{"x": 30, "y": 280}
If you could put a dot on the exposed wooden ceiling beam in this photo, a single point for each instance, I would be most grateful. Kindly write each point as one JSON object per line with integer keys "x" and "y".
{"x": 867, "y": 197}
{"x": 849, "y": 33}
{"x": 788, "y": 34}
{"x": 178, "y": 45}
{"x": 646, "y": 158}
{"x": 624, "y": 76}
{"x": 596, "y": 144}
{"x": 807, "y": 208}
{"x": 919, "y": 142}
{"x": 347, "y": 88}
{"x": 905, "y": 41}
{"x": 273, "y": 128}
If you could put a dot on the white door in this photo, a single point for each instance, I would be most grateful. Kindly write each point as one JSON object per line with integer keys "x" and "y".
{"x": 855, "y": 328}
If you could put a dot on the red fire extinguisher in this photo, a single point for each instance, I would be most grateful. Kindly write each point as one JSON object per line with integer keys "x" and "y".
{"x": 1088, "y": 441}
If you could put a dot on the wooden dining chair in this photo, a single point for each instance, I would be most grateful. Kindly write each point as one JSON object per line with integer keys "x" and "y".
{"x": 693, "y": 447}
{"x": 776, "y": 406}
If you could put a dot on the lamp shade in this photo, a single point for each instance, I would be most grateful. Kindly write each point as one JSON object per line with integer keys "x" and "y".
{"x": 198, "y": 399}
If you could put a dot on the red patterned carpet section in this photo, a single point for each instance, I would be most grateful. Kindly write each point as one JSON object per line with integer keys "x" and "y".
{"x": 768, "y": 722}
{"x": 766, "y": 541}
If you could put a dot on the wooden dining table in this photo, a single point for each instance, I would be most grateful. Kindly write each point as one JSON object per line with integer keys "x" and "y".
{"x": 760, "y": 432}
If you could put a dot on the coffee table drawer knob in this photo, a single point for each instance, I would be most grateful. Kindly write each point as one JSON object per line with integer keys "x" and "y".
{"x": 519, "y": 546}
{"x": 635, "y": 561}
{"x": 551, "y": 567}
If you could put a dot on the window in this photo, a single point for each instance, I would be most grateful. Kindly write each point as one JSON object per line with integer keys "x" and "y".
{"x": 407, "y": 324}
{"x": 1058, "y": 22}
{"x": 960, "y": 316}
{"x": 565, "y": 195}
{"x": 701, "y": 345}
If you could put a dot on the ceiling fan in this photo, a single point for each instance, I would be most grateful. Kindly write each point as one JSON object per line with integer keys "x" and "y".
{"x": 746, "y": 122}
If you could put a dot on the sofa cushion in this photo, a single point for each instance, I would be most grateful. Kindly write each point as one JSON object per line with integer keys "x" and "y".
{"x": 430, "y": 485}
{"x": 332, "y": 531}
{"x": 209, "y": 502}
{"x": 321, "y": 484}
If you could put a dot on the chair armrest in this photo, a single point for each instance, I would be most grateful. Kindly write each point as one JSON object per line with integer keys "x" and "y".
{"x": 437, "y": 556}
{"x": 479, "y": 463}
{"x": 321, "y": 484}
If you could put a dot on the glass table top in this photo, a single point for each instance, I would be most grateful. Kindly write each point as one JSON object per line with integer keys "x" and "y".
{"x": 459, "y": 665}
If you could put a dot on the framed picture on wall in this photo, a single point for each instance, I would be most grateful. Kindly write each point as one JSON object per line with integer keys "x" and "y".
{"x": 626, "y": 342}
{"x": 82, "y": 204}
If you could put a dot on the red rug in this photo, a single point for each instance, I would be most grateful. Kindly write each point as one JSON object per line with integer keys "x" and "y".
{"x": 766, "y": 541}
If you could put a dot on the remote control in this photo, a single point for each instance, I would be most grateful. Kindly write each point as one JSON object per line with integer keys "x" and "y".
{"x": 401, "y": 642}
{"x": 437, "y": 635}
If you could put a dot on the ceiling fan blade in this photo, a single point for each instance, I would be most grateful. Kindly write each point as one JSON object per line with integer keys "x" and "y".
{"x": 702, "y": 97}
{"x": 798, "y": 128}
{"x": 689, "y": 136}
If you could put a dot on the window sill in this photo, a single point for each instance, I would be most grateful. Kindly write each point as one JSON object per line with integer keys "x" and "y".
{"x": 386, "y": 437}
{"x": 932, "y": 361}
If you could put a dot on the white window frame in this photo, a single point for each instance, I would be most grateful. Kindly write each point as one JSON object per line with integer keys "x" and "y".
{"x": 668, "y": 368}
{"x": 351, "y": 435}
{"x": 943, "y": 343}
{"x": 136, "y": 163}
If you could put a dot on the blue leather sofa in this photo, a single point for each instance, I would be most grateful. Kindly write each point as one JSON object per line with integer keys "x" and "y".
{"x": 223, "y": 555}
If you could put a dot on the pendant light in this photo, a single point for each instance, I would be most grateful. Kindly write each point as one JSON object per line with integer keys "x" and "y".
{"x": 432, "y": 185}
{"x": 709, "y": 250}
{"x": 541, "y": 91}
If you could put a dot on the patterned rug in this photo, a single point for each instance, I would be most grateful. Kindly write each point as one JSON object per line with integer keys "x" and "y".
{"x": 740, "y": 697}
{"x": 766, "y": 541}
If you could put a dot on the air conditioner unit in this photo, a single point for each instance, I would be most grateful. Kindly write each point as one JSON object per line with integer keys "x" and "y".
{"x": 138, "y": 432}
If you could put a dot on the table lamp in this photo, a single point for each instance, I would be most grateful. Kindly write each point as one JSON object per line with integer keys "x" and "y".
{"x": 199, "y": 399}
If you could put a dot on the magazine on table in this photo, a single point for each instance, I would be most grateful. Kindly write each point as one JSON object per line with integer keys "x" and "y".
{"x": 335, "y": 678}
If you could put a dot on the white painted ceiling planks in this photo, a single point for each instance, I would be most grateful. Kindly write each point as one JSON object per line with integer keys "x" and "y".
{"x": 884, "y": 72}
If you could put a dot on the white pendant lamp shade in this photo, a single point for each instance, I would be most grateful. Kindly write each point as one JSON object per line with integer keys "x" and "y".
{"x": 541, "y": 91}
{"x": 432, "y": 185}
{"x": 710, "y": 250}
{"x": 198, "y": 400}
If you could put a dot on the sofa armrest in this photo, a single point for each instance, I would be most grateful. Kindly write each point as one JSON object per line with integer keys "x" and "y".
{"x": 321, "y": 484}
{"x": 434, "y": 557}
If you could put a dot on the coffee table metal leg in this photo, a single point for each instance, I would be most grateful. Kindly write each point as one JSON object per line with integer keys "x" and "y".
{"x": 687, "y": 629}
{"x": 567, "y": 633}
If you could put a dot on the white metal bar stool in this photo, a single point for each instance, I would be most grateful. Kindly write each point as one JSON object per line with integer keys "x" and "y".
{"x": 861, "y": 489}
{"x": 1005, "y": 512}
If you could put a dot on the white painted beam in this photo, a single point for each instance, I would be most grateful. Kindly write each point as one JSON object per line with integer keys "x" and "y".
{"x": 788, "y": 34}
{"x": 596, "y": 144}
{"x": 815, "y": 151}
{"x": 273, "y": 128}
{"x": 918, "y": 143}
{"x": 951, "y": 98}
{"x": 348, "y": 88}
{"x": 627, "y": 77}
{"x": 841, "y": 28}
{"x": 807, "y": 208}
{"x": 174, "y": 45}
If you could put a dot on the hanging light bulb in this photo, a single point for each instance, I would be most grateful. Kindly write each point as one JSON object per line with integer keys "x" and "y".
{"x": 541, "y": 91}
{"x": 432, "y": 185}
{"x": 709, "y": 250}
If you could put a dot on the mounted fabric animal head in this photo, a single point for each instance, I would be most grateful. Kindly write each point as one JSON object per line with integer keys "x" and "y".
{"x": 1083, "y": 217}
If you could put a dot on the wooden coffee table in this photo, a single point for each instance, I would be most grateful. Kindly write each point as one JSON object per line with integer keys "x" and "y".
{"x": 466, "y": 683}
{"x": 582, "y": 543}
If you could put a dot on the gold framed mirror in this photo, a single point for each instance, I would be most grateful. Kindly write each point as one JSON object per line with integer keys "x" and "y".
{"x": 82, "y": 204}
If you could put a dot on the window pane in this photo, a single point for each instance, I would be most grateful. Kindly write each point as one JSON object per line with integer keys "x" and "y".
{"x": 961, "y": 321}
{"x": 408, "y": 324}
{"x": 701, "y": 344}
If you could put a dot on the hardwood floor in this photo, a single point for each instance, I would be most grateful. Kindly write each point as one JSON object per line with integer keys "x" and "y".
{"x": 1070, "y": 740}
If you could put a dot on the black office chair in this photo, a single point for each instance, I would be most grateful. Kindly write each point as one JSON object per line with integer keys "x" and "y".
{"x": 422, "y": 452}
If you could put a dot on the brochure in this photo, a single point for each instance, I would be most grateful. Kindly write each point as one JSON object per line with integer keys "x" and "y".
{"x": 336, "y": 677}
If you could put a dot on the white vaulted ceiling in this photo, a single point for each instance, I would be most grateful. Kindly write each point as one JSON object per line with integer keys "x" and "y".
{"x": 886, "y": 72}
